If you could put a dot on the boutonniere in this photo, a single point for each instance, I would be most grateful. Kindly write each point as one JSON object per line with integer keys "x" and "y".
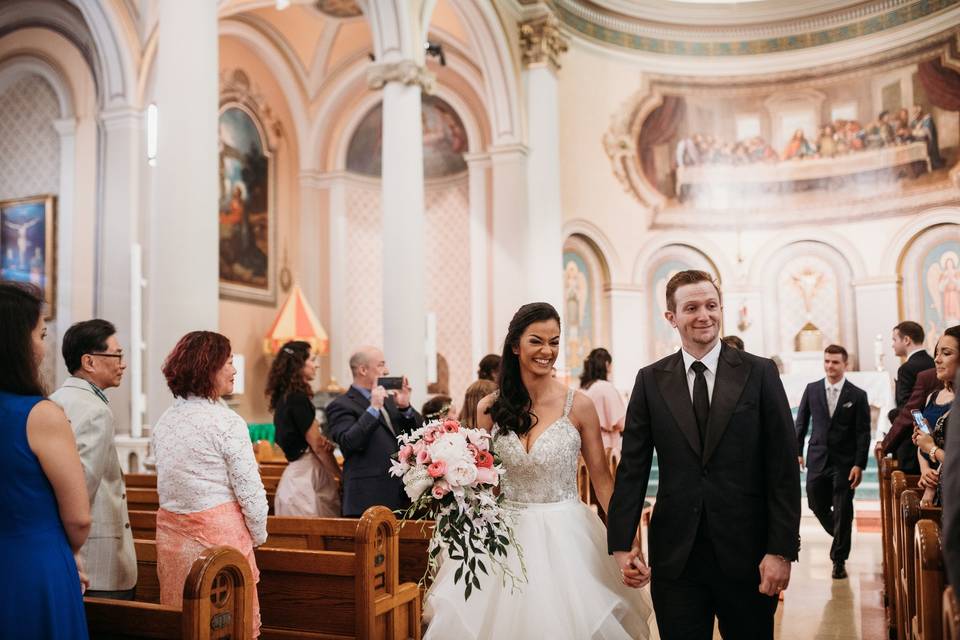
{"x": 847, "y": 405}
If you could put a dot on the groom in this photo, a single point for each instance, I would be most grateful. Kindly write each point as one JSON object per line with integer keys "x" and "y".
{"x": 726, "y": 523}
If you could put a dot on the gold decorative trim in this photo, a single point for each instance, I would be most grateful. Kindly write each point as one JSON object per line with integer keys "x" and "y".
{"x": 541, "y": 42}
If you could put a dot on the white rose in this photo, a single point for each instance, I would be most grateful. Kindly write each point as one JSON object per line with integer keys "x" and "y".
{"x": 451, "y": 448}
{"x": 461, "y": 474}
{"x": 416, "y": 481}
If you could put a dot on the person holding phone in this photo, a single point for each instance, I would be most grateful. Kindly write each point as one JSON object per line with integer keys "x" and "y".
{"x": 930, "y": 430}
{"x": 838, "y": 451}
{"x": 365, "y": 422}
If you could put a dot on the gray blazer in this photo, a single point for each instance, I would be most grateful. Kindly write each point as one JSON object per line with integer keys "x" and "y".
{"x": 108, "y": 554}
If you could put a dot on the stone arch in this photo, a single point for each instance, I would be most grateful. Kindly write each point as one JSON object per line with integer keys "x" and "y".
{"x": 586, "y": 318}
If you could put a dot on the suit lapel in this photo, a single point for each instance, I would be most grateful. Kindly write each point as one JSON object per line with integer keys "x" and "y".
{"x": 844, "y": 397}
{"x": 822, "y": 398}
{"x": 672, "y": 381}
{"x": 731, "y": 377}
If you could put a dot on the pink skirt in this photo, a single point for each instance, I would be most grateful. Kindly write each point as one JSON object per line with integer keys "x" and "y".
{"x": 182, "y": 537}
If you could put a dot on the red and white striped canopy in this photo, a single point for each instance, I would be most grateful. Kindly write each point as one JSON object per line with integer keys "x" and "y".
{"x": 296, "y": 321}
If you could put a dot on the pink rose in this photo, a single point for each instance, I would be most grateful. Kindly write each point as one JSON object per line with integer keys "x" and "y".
{"x": 484, "y": 459}
{"x": 440, "y": 489}
{"x": 478, "y": 438}
{"x": 419, "y": 446}
{"x": 437, "y": 469}
{"x": 406, "y": 452}
{"x": 428, "y": 437}
{"x": 451, "y": 426}
{"x": 487, "y": 475}
{"x": 423, "y": 457}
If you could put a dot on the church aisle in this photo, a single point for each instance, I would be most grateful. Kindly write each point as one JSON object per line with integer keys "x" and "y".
{"x": 817, "y": 607}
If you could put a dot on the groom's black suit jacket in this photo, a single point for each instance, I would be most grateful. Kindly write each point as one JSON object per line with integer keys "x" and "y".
{"x": 745, "y": 480}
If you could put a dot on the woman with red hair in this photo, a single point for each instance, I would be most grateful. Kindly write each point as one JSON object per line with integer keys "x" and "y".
{"x": 207, "y": 478}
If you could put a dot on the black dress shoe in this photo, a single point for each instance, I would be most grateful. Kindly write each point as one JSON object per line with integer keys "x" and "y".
{"x": 839, "y": 572}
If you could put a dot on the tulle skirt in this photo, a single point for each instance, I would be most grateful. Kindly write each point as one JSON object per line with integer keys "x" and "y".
{"x": 573, "y": 589}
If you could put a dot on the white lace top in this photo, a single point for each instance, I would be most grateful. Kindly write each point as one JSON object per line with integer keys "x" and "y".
{"x": 205, "y": 459}
{"x": 549, "y": 472}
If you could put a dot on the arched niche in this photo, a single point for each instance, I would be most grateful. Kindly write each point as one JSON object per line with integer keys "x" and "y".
{"x": 662, "y": 265}
{"x": 808, "y": 282}
{"x": 929, "y": 272}
{"x": 586, "y": 311}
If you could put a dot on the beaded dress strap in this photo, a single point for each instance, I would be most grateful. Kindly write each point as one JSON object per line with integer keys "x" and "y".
{"x": 569, "y": 404}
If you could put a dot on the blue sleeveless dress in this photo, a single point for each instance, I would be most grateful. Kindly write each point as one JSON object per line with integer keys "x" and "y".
{"x": 40, "y": 592}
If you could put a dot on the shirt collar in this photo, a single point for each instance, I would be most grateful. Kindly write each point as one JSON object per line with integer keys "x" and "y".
{"x": 96, "y": 390}
{"x": 710, "y": 360}
{"x": 366, "y": 393}
{"x": 838, "y": 385}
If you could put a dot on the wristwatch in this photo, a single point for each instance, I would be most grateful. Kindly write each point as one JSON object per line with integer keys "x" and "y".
{"x": 932, "y": 454}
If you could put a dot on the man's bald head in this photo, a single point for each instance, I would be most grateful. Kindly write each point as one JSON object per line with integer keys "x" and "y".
{"x": 367, "y": 364}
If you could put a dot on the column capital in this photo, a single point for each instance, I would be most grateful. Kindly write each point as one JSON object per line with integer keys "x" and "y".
{"x": 405, "y": 72}
{"x": 541, "y": 42}
{"x": 320, "y": 179}
{"x": 479, "y": 160}
{"x": 65, "y": 126}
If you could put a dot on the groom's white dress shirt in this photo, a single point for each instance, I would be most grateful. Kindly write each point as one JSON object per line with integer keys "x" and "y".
{"x": 710, "y": 361}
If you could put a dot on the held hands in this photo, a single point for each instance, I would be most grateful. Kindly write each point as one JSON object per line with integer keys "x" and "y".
{"x": 856, "y": 475}
{"x": 633, "y": 569}
{"x": 774, "y": 575}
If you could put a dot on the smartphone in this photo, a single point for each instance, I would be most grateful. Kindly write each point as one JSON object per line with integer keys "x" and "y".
{"x": 391, "y": 383}
{"x": 921, "y": 421}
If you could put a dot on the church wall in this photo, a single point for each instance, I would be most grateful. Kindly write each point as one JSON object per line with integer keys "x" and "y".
{"x": 246, "y": 323}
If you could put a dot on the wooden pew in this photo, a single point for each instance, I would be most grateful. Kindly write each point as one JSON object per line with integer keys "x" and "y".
{"x": 951, "y": 615}
{"x": 146, "y": 498}
{"x": 886, "y": 466}
{"x": 899, "y": 482}
{"x": 911, "y": 512}
{"x": 928, "y": 557}
{"x": 329, "y": 594}
{"x": 217, "y": 602}
{"x": 322, "y": 534}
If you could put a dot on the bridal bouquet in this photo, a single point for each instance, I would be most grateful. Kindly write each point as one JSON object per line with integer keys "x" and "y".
{"x": 450, "y": 473}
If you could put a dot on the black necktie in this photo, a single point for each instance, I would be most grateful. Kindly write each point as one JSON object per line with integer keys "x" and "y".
{"x": 701, "y": 399}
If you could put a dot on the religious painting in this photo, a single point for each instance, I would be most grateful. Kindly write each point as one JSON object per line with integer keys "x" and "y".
{"x": 780, "y": 149}
{"x": 578, "y": 315}
{"x": 247, "y": 225}
{"x": 930, "y": 275}
{"x": 444, "y": 141}
{"x": 27, "y": 249}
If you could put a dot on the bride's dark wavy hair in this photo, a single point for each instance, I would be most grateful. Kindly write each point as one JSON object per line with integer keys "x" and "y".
{"x": 511, "y": 409}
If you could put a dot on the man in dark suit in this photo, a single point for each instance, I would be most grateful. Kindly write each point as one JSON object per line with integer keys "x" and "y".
{"x": 951, "y": 494}
{"x": 365, "y": 422}
{"x": 839, "y": 445}
{"x": 726, "y": 521}
{"x": 902, "y": 427}
{"x": 908, "y": 343}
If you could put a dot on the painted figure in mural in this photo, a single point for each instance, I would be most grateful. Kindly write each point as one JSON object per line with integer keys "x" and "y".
{"x": 23, "y": 242}
{"x": 575, "y": 306}
{"x": 923, "y": 128}
{"x": 827, "y": 145}
{"x": 943, "y": 284}
{"x": 798, "y": 147}
{"x": 880, "y": 132}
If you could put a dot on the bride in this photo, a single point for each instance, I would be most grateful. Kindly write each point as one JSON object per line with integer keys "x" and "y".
{"x": 574, "y": 590}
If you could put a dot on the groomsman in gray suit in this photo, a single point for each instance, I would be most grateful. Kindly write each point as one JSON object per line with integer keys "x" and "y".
{"x": 95, "y": 361}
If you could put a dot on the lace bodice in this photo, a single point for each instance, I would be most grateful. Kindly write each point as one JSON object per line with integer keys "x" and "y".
{"x": 549, "y": 472}
{"x": 205, "y": 459}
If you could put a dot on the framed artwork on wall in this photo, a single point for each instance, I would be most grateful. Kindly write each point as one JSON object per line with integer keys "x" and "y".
{"x": 246, "y": 212}
{"x": 27, "y": 251}
{"x": 930, "y": 281}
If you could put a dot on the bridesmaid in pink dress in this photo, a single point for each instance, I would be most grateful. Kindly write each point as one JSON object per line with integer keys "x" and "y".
{"x": 606, "y": 398}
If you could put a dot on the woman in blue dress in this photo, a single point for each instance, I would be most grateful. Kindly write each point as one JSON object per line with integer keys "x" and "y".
{"x": 44, "y": 510}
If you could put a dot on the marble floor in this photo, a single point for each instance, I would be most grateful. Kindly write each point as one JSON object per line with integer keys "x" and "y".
{"x": 817, "y": 607}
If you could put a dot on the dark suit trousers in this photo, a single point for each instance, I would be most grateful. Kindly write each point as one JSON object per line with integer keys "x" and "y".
{"x": 831, "y": 500}
{"x": 906, "y": 455}
{"x": 686, "y": 606}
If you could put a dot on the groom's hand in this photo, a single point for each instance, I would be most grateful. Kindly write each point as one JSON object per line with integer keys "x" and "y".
{"x": 774, "y": 574}
{"x": 633, "y": 571}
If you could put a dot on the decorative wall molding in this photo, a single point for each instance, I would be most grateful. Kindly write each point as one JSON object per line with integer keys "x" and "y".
{"x": 236, "y": 86}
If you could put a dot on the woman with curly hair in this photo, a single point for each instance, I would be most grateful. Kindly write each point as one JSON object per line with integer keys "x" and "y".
{"x": 540, "y": 429}
{"x": 606, "y": 398}
{"x": 309, "y": 485}
{"x": 208, "y": 482}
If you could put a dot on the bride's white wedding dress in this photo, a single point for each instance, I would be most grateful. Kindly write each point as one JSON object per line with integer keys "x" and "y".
{"x": 573, "y": 589}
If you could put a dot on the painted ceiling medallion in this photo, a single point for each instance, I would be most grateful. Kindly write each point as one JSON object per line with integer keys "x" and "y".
{"x": 339, "y": 8}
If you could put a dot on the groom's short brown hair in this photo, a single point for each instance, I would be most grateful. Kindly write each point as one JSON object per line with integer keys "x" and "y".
{"x": 690, "y": 276}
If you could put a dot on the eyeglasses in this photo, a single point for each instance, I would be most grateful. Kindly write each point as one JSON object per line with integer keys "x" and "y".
{"x": 118, "y": 356}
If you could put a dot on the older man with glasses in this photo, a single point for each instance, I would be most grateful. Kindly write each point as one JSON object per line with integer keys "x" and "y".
{"x": 95, "y": 361}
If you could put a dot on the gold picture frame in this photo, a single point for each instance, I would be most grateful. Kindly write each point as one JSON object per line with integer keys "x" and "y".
{"x": 28, "y": 245}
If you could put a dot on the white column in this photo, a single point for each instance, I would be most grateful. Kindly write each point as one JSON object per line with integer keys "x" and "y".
{"x": 508, "y": 250}
{"x": 182, "y": 282}
{"x": 66, "y": 128}
{"x": 877, "y": 305}
{"x": 629, "y": 333}
{"x": 478, "y": 166}
{"x": 117, "y": 230}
